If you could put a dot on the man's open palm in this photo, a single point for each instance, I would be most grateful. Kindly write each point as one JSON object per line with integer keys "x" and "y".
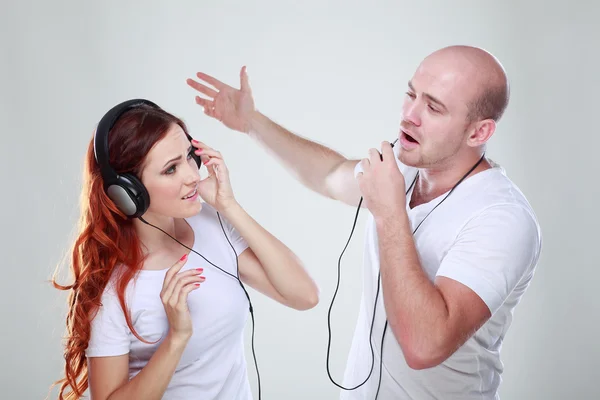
{"x": 233, "y": 107}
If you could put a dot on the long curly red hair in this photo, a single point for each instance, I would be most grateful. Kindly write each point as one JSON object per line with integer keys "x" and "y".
{"x": 106, "y": 238}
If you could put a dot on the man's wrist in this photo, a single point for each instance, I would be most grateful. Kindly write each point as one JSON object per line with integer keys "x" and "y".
{"x": 399, "y": 217}
{"x": 257, "y": 123}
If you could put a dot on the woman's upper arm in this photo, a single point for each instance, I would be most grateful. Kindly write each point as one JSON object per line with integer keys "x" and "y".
{"x": 106, "y": 375}
{"x": 253, "y": 274}
{"x": 108, "y": 348}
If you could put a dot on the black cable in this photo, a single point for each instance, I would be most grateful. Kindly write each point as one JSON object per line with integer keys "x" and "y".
{"x": 249, "y": 302}
{"x": 378, "y": 286}
{"x": 236, "y": 277}
{"x": 329, "y": 315}
{"x": 374, "y": 308}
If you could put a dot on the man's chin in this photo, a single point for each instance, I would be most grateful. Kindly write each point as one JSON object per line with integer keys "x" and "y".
{"x": 409, "y": 158}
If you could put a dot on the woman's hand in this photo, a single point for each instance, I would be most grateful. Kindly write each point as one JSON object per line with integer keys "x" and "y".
{"x": 216, "y": 188}
{"x": 176, "y": 287}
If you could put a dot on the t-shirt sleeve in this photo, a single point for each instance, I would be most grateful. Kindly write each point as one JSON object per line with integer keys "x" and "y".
{"x": 238, "y": 242}
{"x": 109, "y": 334}
{"x": 493, "y": 252}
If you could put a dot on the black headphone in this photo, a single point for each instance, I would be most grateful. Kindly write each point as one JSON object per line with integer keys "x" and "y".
{"x": 125, "y": 190}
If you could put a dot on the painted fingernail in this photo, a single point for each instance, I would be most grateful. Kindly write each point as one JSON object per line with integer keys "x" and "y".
{"x": 198, "y": 150}
{"x": 206, "y": 161}
{"x": 202, "y": 278}
{"x": 196, "y": 284}
{"x": 194, "y": 141}
{"x": 183, "y": 258}
{"x": 199, "y": 269}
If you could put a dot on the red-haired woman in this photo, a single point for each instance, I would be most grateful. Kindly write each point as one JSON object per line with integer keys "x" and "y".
{"x": 149, "y": 319}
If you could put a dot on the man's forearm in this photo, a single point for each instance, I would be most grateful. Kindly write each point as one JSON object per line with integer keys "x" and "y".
{"x": 309, "y": 162}
{"x": 416, "y": 310}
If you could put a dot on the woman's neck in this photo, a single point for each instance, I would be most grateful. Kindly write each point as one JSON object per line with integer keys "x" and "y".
{"x": 153, "y": 239}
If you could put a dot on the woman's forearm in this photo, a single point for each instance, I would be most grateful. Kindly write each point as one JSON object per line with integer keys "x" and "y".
{"x": 153, "y": 380}
{"x": 282, "y": 267}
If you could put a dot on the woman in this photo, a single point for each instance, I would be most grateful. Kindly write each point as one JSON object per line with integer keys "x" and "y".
{"x": 149, "y": 319}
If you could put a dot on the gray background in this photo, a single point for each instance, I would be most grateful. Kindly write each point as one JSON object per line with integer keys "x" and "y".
{"x": 334, "y": 71}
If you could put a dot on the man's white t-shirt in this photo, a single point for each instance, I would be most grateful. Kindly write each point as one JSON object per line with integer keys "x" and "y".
{"x": 484, "y": 235}
{"x": 213, "y": 365}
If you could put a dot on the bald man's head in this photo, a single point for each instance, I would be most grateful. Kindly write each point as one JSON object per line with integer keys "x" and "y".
{"x": 454, "y": 99}
{"x": 479, "y": 75}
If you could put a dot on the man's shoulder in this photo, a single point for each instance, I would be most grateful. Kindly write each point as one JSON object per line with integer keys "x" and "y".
{"x": 499, "y": 191}
{"x": 495, "y": 199}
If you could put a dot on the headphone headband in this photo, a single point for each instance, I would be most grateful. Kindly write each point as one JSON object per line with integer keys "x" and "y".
{"x": 107, "y": 122}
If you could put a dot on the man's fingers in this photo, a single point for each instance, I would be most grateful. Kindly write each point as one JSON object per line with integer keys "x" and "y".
{"x": 212, "y": 81}
{"x": 202, "y": 89}
{"x": 374, "y": 155}
{"x": 244, "y": 83}
{"x": 204, "y": 102}
{"x": 387, "y": 151}
{"x": 365, "y": 165}
{"x": 210, "y": 111}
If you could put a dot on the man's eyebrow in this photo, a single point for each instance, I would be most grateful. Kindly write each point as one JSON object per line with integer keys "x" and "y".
{"x": 429, "y": 97}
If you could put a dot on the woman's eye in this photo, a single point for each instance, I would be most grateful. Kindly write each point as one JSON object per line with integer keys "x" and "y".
{"x": 170, "y": 170}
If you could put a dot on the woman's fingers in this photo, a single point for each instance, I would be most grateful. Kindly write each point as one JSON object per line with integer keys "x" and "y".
{"x": 183, "y": 294}
{"x": 175, "y": 268}
{"x": 169, "y": 289}
{"x": 181, "y": 283}
{"x": 204, "y": 147}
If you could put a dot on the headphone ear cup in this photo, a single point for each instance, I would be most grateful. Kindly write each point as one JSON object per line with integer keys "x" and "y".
{"x": 197, "y": 158}
{"x": 129, "y": 195}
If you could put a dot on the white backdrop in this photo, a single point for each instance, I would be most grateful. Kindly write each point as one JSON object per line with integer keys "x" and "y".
{"x": 334, "y": 71}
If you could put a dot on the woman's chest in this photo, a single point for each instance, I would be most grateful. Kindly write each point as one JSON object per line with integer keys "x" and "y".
{"x": 218, "y": 310}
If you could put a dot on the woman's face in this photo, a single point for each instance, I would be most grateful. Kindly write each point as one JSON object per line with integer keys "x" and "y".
{"x": 171, "y": 176}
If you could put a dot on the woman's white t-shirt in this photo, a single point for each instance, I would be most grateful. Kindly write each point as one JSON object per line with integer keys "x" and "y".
{"x": 213, "y": 365}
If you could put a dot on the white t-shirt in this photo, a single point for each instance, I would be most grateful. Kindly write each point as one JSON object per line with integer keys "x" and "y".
{"x": 213, "y": 364}
{"x": 486, "y": 236}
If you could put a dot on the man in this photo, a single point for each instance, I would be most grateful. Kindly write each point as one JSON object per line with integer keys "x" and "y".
{"x": 448, "y": 291}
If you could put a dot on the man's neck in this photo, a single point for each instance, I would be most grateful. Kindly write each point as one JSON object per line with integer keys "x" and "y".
{"x": 436, "y": 180}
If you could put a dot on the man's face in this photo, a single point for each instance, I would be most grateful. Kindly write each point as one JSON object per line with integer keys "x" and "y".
{"x": 434, "y": 123}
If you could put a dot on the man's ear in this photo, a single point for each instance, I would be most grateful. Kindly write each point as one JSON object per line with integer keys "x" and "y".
{"x": 481, "y": 132}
